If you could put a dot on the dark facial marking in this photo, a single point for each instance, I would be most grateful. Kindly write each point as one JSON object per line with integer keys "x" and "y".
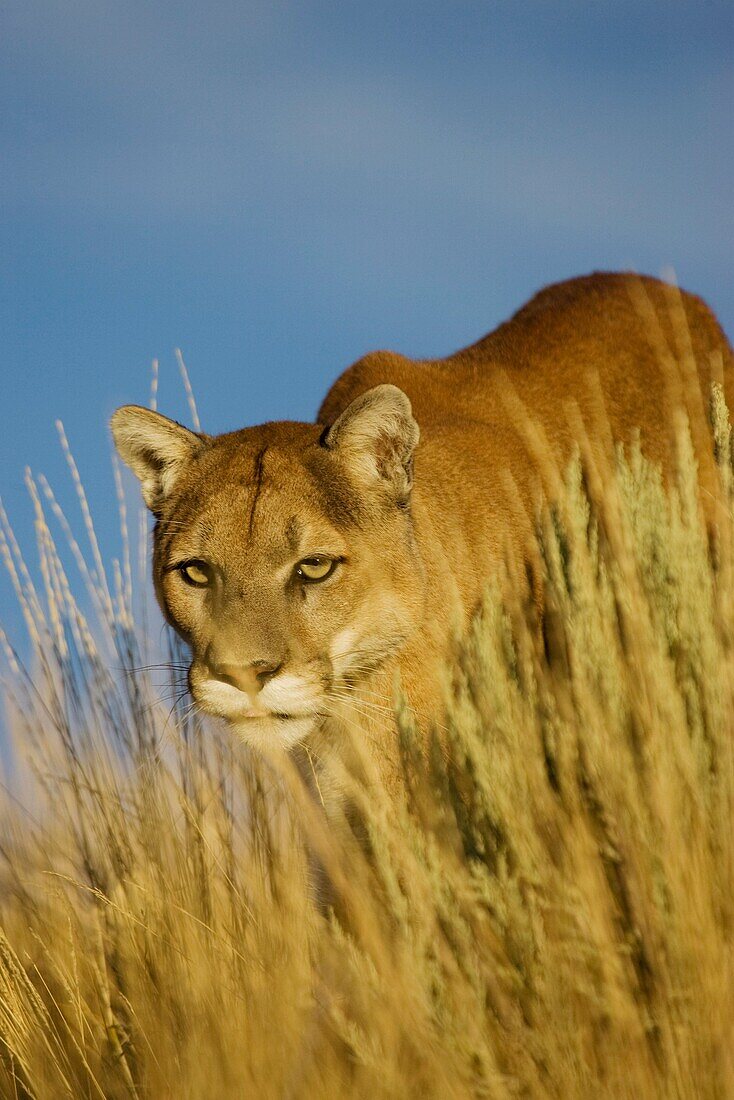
{"x": 258, "y": 480}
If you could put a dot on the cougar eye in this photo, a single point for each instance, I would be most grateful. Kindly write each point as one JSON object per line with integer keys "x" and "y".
{"x": 315, "y": 569}
{"x": 196, "y": 573}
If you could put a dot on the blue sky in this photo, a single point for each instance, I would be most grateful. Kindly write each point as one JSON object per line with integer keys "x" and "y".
{"x": 277, "y": 188}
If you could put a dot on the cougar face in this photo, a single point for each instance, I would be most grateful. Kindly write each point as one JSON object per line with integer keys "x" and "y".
{"x": 286, "y": 561}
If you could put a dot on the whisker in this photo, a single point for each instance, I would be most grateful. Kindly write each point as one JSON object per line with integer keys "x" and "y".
{"x": 165, "y": 666}
{"x": 352, "y": 700}
{"x": 366, "y": 713}
{"x": 360, "y": 689}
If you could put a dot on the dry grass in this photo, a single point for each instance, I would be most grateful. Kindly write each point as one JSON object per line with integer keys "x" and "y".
{"x": 549, "y": 915}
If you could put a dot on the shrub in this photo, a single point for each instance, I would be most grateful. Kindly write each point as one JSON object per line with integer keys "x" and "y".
{"x": 546, "y": 910}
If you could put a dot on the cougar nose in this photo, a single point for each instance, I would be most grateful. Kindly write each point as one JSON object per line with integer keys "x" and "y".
{"x": 248, "y": 678}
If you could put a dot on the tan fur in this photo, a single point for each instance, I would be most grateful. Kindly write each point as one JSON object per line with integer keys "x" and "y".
{"x": 420, "y": 527}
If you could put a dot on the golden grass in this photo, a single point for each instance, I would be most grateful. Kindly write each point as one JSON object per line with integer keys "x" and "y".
{"x": 549, "y": 914}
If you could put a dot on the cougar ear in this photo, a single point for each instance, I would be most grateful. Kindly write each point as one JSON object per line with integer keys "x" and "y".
{"x": 155, "y": 448}
{"x": 376, "y": 435}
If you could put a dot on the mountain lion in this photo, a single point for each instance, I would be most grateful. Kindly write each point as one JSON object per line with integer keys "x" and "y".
{"x": 306, "y": 564}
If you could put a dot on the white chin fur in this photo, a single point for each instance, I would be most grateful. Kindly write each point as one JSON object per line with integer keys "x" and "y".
{"x": 264, "y": 730}
{"x": 266, "y": 733}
